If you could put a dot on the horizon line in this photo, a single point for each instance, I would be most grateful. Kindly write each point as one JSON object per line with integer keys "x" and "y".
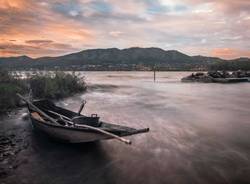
{"x": 75, "y": 52}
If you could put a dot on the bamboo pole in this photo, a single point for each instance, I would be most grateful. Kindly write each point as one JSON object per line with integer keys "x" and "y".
{"x": 37, "y": 109}
{"x": 84, "y": 126}
{"x": 60, "y": 115}
{"x": 106, "y": 133}
{"x": 67, "y": 120}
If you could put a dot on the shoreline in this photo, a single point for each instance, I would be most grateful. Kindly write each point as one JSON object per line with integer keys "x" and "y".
{"x": 12, "y": 141}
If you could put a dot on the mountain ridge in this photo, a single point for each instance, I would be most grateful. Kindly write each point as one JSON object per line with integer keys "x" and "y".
{"x": 117, "y": 59}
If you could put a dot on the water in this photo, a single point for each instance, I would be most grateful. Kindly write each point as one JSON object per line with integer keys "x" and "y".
{"x": 199, "y": 133}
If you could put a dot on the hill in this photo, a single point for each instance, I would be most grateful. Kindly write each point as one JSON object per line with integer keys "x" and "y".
{"x": 121, "y": 59}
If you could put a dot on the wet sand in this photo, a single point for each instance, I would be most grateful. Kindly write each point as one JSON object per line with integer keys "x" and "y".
{"x": 200, "y": 133}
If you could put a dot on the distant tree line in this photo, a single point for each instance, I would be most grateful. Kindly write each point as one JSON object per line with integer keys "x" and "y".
{"x": 231, "y": 65}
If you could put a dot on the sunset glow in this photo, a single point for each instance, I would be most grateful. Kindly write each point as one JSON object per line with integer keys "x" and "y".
{"x": 195, "y": 27}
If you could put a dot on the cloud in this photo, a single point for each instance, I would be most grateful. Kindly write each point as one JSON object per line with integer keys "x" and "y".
{"x": 115, "y": 33}
{"x": 35, "y": 48}
{"x": 39, "y": 42}
{"x": 34, "y": 21}
{"x": 62, "y": 26}
{"x": 224, "y": 6}
{"x": 230, "y": 53}
{"x": 48, "y": 44}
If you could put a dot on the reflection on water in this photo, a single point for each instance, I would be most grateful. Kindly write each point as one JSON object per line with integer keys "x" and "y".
{"x": 200, "y": 133}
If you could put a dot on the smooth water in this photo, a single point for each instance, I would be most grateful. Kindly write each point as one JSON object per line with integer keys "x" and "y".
{"x": 199, "y": 133}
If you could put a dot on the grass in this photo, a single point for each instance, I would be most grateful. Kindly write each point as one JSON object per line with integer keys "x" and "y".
{"x": 56, "y": 85}
{"x": 52, "y": 85}
{"x": 8, "y": 98}
{"x": 9, "y": 86}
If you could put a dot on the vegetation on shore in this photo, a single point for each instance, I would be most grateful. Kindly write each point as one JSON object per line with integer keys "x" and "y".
{"x": 234, "y": 65}
{"x": 56, "y": 85}
{"x": 52, "y": 85}
{"x": 9, "y": 86}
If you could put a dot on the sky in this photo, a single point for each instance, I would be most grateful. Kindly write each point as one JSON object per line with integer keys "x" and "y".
{"x": 39, "y": 28}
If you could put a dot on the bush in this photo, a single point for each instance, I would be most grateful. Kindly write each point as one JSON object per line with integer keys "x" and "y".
{"x": 9, "y": 86}
{"x": 8, "y": 98}
{"x": 56, "y": 85}
{"x": 53, "y": 85}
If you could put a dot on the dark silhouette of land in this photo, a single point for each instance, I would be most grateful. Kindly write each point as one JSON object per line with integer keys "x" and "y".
{"x": 125, "y": 59}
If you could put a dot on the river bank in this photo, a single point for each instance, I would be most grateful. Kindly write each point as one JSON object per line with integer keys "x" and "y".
{"x": 52, "y": 85}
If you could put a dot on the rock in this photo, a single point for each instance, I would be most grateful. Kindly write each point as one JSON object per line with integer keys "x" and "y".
{"x": 4, "y": 140}
{"x": 197, "y": 77}
{"x": 215, "y": 74}
{"x": 199, "y": 74}
{"x": 241, "y": 74}
{"x": 25, "y": 116}
{"x": 3, "y": 173}
{"x": 248, "y": 74}
{"x": 218, "y": 76}
{"x": 15, "y": 166}
{"x": 10, "y": 167}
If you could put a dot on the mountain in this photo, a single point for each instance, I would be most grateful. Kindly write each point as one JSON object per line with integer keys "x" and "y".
{"x": 9, "y": 62}
{"x": 147, "y": 56}
{"x": 134, "y": 58}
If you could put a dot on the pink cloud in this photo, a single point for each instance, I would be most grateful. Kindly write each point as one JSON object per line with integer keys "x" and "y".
{"x": 230, "y": 53}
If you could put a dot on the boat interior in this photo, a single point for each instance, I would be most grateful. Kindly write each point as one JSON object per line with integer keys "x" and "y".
{"x": 62, "y": 115}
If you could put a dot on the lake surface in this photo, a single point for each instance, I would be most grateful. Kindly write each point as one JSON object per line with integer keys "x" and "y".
{"x": 199, "y": 133}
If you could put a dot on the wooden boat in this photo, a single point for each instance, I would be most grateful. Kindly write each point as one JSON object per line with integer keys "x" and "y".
{"x": 73, "y": 127}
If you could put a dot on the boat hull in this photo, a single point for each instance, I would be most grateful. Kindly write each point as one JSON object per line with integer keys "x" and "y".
{"x": 67, "y": 134}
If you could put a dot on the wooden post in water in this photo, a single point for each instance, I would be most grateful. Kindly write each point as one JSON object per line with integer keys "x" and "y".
{"x": 154, "y": 73}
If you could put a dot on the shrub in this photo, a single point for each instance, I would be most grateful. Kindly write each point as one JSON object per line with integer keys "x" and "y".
{"x": 9, "y": 86}
{"x": 56, "y": 85}
{"x": 53, "y": 85}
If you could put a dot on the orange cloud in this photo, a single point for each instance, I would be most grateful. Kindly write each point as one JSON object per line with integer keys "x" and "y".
{"x": 35, "y": 48}
{"x": 14, "y": 4}
{"x": 26, "y": 20}
{"x": 8, "y": 53}
{"x": 230, "y": 53}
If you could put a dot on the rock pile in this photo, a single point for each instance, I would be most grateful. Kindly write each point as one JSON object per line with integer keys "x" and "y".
{"x": 218, "y": 76}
